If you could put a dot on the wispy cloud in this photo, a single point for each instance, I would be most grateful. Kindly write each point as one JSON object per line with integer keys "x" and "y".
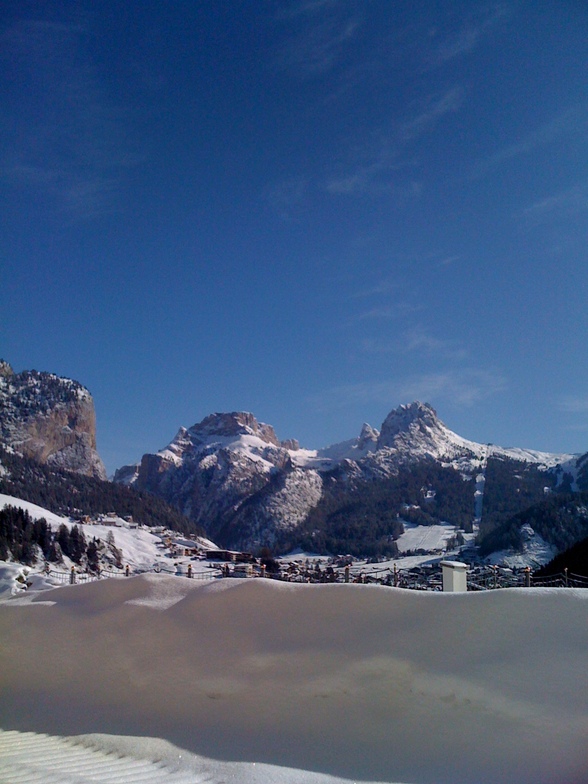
{"x": 571, "y": 201}
{"x": 388, "y": 312}
{"x": 417, "y": 340}
{"x": 446, "y": 261}
{"x": 469, "y": 32}
{"x": 323, "y": 30}
{"x": 463, "y": 388}
{"x": 373, "y": 179}
{"x": 383, "y": 287}
{"x": 305, "y": 8}
{"x": 381, "y": 164}
{"x": 571, "y": 404}
{"x": 573, "y": 121}
{"x": 427, "y": 112}
{"x": 65, "y": 138}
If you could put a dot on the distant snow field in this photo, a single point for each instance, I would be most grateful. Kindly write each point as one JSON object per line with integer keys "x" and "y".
{"x": 425, "y": 537}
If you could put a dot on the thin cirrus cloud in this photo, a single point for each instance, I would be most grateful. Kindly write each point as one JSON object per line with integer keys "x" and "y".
{"x": 463, "y": 388}
{"x": 384, "y": 286}
{"x": 428, "y": 111}
{"x": 315, "y": 49}
{"x": 386, "y": 312}
{"x": 381, "y": 161}
{"x": 566, "y": 203}
{"x": 571, "y": 122}
{"x": 305, "y": 7}
{"x": 571, "y": 404}
{"x": 417, "y": 340}
{"x": 471, "y": 30}
{"x": 286, "y": 197}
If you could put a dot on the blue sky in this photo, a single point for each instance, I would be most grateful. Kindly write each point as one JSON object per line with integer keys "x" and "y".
{"x": 314, "y": 210}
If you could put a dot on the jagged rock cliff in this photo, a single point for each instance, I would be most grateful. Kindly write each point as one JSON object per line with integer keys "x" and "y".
{"x": 232, "y": 475}
{"x": 49, "y": 419}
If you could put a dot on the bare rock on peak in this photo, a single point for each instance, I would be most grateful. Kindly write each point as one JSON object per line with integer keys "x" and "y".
{"x": 234, "y": 424}
{"x": 49, "y": 419}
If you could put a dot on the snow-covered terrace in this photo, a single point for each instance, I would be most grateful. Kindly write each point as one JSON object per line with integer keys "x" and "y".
{"x": 356, "y": 683}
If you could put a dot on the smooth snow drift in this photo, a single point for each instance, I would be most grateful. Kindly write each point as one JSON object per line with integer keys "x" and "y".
{"x": 358, "y": 682}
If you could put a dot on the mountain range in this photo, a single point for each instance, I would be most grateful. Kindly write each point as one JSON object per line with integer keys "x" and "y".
{"x": 232, "y": 475}
{"x": 236, "y": 480}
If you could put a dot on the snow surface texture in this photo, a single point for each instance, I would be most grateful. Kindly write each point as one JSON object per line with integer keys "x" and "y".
{"x": 357, "y": 682}
{"x": 27, "y": 757}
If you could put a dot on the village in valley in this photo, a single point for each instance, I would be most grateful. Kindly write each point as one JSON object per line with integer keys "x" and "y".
{"x": 126, "y": 548}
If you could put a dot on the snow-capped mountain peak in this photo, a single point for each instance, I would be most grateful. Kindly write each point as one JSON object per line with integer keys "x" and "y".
{"x": 234, "y": 423}
{"x": 234, "y": 476}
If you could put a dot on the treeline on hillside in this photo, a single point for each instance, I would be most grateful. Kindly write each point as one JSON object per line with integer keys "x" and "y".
{"x": 365, "y": 518}
{"x": 561, "y": 519}
{"x": 582, "y": 467}
{"x": 511, "y": 487}
{"x": 55, "y": 390}
{"x": 24, "y": 539}
{"x": 73, "y": 495}
{"x": 574, "y": 559}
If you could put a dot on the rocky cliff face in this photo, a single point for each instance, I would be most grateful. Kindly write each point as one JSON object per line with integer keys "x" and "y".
{"x": 50, "y": 420}
{"x": 232, "y": 475}
{"x": 222, "y": 472}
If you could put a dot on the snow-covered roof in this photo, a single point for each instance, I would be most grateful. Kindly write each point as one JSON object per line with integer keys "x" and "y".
{"x": 359, "y": 682}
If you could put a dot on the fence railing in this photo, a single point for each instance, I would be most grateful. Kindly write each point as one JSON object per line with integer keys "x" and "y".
{"x": 75, "y": 576}
{"x": 480, "y": 579}
{"x": 564, "y": 579}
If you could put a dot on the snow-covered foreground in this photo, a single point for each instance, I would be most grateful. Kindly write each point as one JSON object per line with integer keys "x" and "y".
{"x": 27, "y": 757}
{"x": 357, "y": 682}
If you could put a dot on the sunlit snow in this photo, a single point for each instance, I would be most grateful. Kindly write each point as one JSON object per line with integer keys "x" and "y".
{"x": 363, "y": 683}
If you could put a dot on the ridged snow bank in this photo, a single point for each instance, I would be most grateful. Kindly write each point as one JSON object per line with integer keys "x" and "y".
{"x": 359, "y": 682}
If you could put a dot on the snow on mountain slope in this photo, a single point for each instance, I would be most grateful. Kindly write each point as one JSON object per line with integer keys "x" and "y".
{"x": 36, "y": 512}
{"x": 232, "y": 475}
{"x": 414, "y": 431}
{"x": 535, "y": 552}
{"x": 141, "y": 549}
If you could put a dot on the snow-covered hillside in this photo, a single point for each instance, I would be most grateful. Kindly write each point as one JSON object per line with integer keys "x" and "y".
{"x": 361, "y": 683}
{"x": 141, "y": 548}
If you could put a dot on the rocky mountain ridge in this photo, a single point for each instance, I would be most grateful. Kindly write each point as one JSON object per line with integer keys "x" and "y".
{"x": 49, "y": 419}
{"x": 234, "y": 478}
{"x": 232, "y": 475}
